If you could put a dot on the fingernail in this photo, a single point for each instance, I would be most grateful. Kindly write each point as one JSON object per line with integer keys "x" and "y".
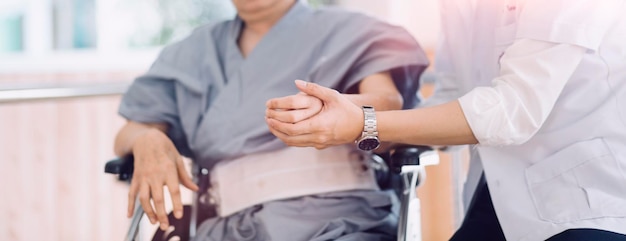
{"x": 301, "y": 83}
{"x": 178, "y": 214}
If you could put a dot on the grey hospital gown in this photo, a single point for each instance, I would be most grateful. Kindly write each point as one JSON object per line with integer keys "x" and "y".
{"x": 214, "y": 101}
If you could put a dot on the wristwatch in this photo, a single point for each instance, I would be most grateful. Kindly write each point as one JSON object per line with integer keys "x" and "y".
{"x": 369, "y": 138}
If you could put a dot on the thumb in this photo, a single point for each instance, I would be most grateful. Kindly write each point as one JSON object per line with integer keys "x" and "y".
{"x": 318, "y": 91}
{"x": 184, "y": 177}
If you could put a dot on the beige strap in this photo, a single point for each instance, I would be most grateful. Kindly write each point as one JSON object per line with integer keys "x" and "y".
{"x": 288, "y": 173}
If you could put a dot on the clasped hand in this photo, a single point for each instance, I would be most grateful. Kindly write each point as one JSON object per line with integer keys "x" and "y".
{"x": 317, "y": 116}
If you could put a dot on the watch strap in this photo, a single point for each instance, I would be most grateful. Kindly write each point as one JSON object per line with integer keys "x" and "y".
{"x": 369, "y": 124}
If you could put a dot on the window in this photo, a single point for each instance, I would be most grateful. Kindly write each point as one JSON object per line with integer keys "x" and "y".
{"x": 74, "y": 24}
{"x": 87, "y": 35}
{"x": 164, "y": 21}
{"x": 11, "y": 26}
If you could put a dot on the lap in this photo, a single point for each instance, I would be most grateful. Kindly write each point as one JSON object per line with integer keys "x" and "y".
{"x": 480, "y": 222}
{"x": 353, "y": 215}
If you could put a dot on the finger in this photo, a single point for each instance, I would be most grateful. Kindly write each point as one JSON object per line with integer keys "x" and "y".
{"x": 184, "y": 177}
{"x": 290, "y": 129}
{"x": 322, "y": 93}
{"x": 299, "y": 134}
{"x": 273, "y": 130}
{"x": 298, "y": 141}
{"x": 144, "y": 199}
{"x": 291, "y": 116}
{"x": 159, "y": 204}
{"x": 132, "y": 196}
{"x": 321, "y": 146}
{"x": 298, "y": 101}
{"x": 174, "y": 189}
{"x": 281, "y": 103}
{"x": 276, "y": 132}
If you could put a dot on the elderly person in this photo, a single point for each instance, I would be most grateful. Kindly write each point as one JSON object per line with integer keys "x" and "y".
{"x": 204, "y": 97}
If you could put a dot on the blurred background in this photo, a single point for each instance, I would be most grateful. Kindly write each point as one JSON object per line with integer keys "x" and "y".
{"x": 63, "y": 64}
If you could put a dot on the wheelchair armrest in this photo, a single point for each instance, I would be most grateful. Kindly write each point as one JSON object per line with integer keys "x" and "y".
{"x": 412, "y": 155}
{"x": 122, "y": 166}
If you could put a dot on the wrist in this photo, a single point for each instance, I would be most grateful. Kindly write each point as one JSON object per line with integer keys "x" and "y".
{"x": 143, "y": 136}
{"x": 359, "y": 126}
{"x": 368, "y": 140}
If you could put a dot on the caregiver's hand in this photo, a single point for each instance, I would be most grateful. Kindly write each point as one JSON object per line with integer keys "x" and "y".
{"x": 338, "y": 122}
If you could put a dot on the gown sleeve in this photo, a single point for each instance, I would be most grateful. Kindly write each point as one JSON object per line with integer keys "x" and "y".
{"x": 361, "y": 46}
{"x": 157, "y": 96}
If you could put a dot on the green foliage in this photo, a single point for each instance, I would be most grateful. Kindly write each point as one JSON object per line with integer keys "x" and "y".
{"x": 179, "y": 17}
{"x": 176, "y": 19}
{"x": 320, "y": 3}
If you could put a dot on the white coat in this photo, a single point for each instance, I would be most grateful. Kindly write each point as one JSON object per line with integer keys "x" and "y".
{"x": 566, "y": 167}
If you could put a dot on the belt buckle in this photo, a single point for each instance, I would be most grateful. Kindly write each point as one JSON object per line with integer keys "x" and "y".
{"x": 363, "y": 160}
{"x": 212, "y": 195}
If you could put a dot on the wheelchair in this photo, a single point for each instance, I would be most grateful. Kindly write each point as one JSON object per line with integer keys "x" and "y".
{"x": 401, "y": 169}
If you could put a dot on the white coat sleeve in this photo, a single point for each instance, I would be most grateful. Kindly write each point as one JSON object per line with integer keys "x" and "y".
{"x": 552, "y": 37}
{"x": 532, "y": 76}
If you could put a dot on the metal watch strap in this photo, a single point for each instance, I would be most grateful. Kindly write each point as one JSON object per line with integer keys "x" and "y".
{"x": 369, "y": 124}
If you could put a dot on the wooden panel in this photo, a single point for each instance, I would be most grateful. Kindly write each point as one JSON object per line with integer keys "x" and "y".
{"x": 436, "y": 198}
{"x": 52, "y": 157}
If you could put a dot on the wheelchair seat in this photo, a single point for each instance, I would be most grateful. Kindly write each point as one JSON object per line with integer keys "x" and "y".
{"x": 400, "y": 169}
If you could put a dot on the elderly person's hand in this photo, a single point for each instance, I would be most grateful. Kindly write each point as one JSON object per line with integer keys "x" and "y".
{"x": 157, "y": 164}
{"x": 338, "y": 122}
{"x": 294, "y": 108}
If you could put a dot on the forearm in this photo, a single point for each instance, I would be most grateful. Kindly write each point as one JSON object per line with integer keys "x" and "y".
{"x": 439, "y": 125}
{"x": 129, "y": 133}
{"x": 377, "y": 90}
{"x": 380, "y": 101}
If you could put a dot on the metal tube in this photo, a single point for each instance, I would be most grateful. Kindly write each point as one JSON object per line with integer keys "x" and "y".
{"x": 134, "y": 223}
{"x": 457, "y": 187}
{"x": 404, "y": 206}
{"x": 15, "y": 95}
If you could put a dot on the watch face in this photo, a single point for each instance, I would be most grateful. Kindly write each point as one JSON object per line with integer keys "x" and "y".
{"x": 369, "y": 144}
